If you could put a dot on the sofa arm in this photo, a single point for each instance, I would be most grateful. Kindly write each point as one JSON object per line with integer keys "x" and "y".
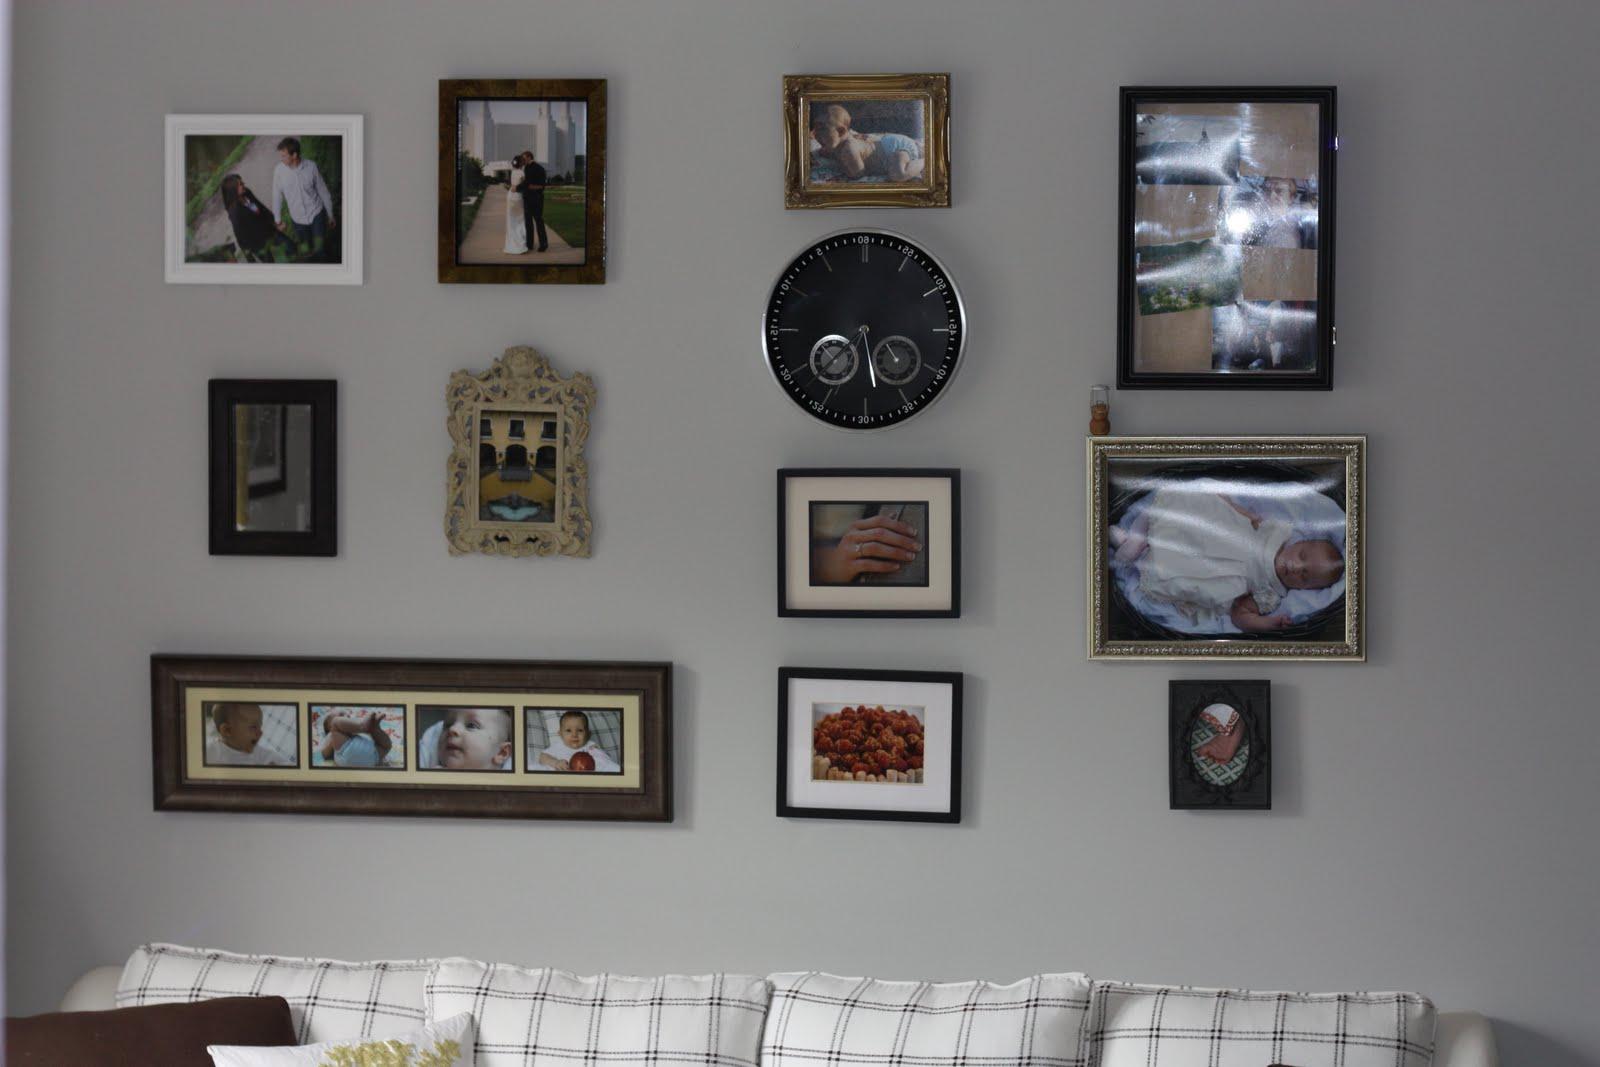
{"x": 95, "y": 991}
{"x": 1464, "y": 1039}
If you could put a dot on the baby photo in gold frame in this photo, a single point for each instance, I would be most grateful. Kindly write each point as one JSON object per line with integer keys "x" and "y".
{"x": 866, "y": 140}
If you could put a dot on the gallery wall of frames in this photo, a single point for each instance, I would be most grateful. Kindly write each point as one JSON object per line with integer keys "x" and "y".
{"x": 1199, "y": 548}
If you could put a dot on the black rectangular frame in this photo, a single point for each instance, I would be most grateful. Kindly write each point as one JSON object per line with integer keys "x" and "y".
{"x": 322, "y": 396}
{"x": 953, "y": 474}
{"x": 1185, "y": 700}
{"x": 953, "y": 679}
{"x": 1325, "y": 96}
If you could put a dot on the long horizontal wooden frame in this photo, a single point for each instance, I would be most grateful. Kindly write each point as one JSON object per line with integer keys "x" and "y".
{"x": 177, "y": 680}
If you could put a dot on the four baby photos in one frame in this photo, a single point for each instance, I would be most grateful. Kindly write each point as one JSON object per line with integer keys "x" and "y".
{"x": 1198, "y": 548}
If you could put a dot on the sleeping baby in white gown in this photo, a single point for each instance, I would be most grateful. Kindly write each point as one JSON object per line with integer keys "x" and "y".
{"x": 1204, "y": 554}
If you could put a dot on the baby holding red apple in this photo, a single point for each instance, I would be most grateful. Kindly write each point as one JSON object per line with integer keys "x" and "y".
{"x": 574, "y": 748}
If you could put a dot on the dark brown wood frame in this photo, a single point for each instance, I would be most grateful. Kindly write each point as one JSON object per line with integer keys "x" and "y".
{"x": 592, "y": 91}
{"x": 171, "y": 675}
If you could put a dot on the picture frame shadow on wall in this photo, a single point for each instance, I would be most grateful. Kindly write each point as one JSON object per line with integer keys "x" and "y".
{"x": 522, "y": 181}
{"x": 1219, "y": 745}
{"x": 869, "y": 542}
{"x": 264, "y": 199}
{"x": 273, "y": 463}
{"x": 1225, "y": 264}
{"x": 467, "y": 738}
{"x": 866, "y": 140}
{"x": 1204, "y": 548}
{"x": 869, "y": 744}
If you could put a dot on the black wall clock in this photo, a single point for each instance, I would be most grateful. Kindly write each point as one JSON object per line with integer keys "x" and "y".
{"x": 864, "y": 329}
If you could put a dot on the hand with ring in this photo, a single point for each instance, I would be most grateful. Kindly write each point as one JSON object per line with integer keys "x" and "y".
{"x": 872, "y": 545}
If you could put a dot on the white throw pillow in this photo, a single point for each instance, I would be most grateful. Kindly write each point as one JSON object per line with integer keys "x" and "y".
{"x": 447, "y": 1043}
{"x": 1179, "y": 1026}
{"x": 330, "y": 1000}
{"x": 824, "y": 1019}
{"x": 548, "y": 1018}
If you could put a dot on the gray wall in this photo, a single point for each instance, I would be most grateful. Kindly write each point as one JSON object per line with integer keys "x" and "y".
{"x": 1434, "y": 824}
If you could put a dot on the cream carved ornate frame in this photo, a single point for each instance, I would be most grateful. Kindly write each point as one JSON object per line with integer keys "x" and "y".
{"x": 521, "y": 380}
{"x": 1351, "y": 451}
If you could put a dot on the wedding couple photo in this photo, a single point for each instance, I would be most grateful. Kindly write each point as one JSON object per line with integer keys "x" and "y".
{"x": 520, "y": 179}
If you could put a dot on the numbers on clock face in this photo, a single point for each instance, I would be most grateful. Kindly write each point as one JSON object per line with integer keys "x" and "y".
{"x": 864, "y": 329}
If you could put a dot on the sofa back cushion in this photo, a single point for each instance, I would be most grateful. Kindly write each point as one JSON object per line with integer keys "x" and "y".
{"x": 1180, "y": 1026}
{"x": 173, "y": 1035}
{"x": 329, "y": 1000}
{"x": 825, "y": 1019}
{"x": 550, "y": 1018}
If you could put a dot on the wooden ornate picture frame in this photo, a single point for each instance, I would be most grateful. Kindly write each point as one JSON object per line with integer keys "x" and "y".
{"x": 887, "y": 140}
{"x": 469, "y": 738}
{"x": 517, "y": 483}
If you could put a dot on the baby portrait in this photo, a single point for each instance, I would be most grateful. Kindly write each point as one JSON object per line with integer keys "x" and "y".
{"x": 1219, "y": 747}
{"x": 452, "y": 738}
{"x": 573, "y": 740}
{"x": 358, "y": 736}
{"x": 860, "y": 140}
{"x": 251, "y": 735}
{"x": 869, "y": 543}
{"x": 1247, "y": 549}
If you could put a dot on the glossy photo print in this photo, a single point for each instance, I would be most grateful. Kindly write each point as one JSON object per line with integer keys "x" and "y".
{"x": 1234, "y": 548}
{"x": 1226, "y": 256}
{"x": 358, "y": 735}
{"x": 248, "y": 734}
{"x": 458, "y": 738}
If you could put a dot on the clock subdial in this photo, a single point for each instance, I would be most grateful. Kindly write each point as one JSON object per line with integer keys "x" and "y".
{"x": 834, "y": 360}
{"x": 896, "y": 360}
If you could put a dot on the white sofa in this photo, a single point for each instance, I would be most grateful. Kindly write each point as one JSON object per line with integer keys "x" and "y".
{"x": 1464, "y": 1038}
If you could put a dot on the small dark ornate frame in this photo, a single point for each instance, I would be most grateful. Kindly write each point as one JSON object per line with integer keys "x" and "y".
{"x": 172, "y": 675}
{"x": 1320, "y": 377}
{"x": 592, "y": 91}
{"x": 322, "y": 538}
{"x": 953, "y": 679}
{"x": 952, "y": 474}
{"x": 1187, "y": 791}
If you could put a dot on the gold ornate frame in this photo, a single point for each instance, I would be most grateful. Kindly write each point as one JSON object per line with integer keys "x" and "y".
{"x": 932, "y": 89}
{"x": 520, "y": 380}
{"x": 1352, "y": 450}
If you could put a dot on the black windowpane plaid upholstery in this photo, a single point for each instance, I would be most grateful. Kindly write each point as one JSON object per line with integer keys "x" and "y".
{"x": 821, "y": 1019}
{"x": 1175, "y": 1026}
{"x": 330, "y": 1000}
{"x": 549, "y": 1018}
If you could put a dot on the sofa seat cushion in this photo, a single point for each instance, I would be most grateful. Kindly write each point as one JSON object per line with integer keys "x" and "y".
{"x": 173, "y": 1035}
{"x": 820, "y": 1019}
{"x": 329, "y": 1000}
{"x": 1180, "y": 1026}
{"x": 550, "y": 1018}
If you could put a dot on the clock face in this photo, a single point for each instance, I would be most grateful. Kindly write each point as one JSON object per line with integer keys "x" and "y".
{"x": 864, "y": 329}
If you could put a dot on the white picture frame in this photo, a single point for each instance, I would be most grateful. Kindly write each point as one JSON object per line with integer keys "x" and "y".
{"x": 350, "y": 211}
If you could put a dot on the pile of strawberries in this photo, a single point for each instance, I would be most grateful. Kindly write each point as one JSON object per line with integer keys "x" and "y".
{"x": 867, "y": 740}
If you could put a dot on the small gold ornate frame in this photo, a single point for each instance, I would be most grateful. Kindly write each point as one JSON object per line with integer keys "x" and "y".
{"x": 493, "y": 411}
{"x": 800, "y": 91}
{"x": 1348, "y": 642}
